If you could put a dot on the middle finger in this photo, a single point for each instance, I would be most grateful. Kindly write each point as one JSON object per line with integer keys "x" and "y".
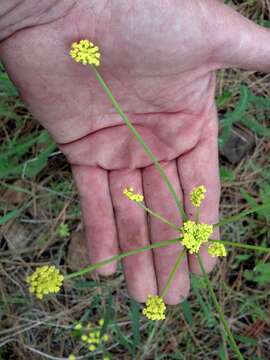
{"x": 131, "y": 221}
{"x": 159, "y": 199}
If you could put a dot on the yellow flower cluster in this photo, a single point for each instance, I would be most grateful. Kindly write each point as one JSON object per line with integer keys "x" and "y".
{"x": 197, "y": 195}
{"x": 92, "y": 337}
{"x": 85, "y": 52}
{"x": 195, "y": 234}
{"x": 45, "y": 280}
{"x": 90, "y": 334}
{"x": 155, "y": 308}
{"x": 129, "y": 192}
{"x": 217, "y": 249}
{"x": 78, "y": 326}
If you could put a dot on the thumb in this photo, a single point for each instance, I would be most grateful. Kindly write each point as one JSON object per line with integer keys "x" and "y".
{"x": 242, "y": 43}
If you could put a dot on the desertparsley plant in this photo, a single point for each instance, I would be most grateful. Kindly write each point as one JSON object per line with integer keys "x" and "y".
{"x": 192, "y": 234}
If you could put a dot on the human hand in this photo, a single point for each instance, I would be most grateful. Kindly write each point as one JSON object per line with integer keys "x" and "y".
{"x": 159, "y": 59}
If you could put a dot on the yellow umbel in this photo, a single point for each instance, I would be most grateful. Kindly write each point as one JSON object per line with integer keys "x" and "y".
{"x": 45, "y": 280}
{"x": 194, "y": 235}
{"x": 217, "y": 249}
{"x": 85, "y": 52}
{"x": 155, "y": 308}
{"x": 129, "y": 192}
{"x": 197, "y": 195}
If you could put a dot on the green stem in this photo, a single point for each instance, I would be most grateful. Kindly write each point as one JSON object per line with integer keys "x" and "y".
{"x": 121, "y": 256}
{"x": 141, "y": 141}
{"x": 219, "y": 310}
{"x": 149, "y": 339}
{"x": 242, "y": 214}
{"x": 245, "y": 246}
{"x": 159, "y": 217}
{"x": 172, "y": 273}
{"x": 197, "y": 215}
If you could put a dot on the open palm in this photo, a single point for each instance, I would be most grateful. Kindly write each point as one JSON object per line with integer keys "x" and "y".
{"x": 159, "y": 59}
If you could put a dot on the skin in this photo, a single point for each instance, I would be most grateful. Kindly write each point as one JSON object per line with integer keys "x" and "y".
{"x": 159, "y": 59}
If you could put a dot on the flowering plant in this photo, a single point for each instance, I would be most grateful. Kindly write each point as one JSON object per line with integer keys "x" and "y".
{"x": 192, "y": 234}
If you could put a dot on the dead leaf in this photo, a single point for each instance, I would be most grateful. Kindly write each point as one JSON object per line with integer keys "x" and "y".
{"x": 18, "y": 235}
{"x": 77, "y": 252}
{"x": 14, "y": 197}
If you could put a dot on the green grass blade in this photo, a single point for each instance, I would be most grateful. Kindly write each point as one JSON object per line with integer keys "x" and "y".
{"x": 230, "y": 118}
{"x": 242, "y": 215}
{"x": 135, "y": 324}
{"x": 33, "y": 168}
{"x": 219, "y": 310}
{"x": 122, "y": 338}
{"x": 11, "y": 214}
{"x": 259, "y": 100}
{"x": 108, "y": 316}
{"x": 223, "y": 98}
{"x": 205, "y": 306}
{"x": 255, "y": 126}
{"x": 187, "y": 312}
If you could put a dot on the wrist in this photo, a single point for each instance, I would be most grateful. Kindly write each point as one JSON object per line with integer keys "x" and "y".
{"x": 16, "y": 15}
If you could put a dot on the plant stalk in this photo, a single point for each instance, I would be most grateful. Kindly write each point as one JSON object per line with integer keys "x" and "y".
{"x": 141, "y": 141}
{"x": 178, "y": 262}
{"x": 219, "y": 310}
{"x": 121, "y": 256}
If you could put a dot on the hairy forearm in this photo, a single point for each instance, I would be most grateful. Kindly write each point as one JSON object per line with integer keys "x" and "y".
{"x": 19, "y": 14}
